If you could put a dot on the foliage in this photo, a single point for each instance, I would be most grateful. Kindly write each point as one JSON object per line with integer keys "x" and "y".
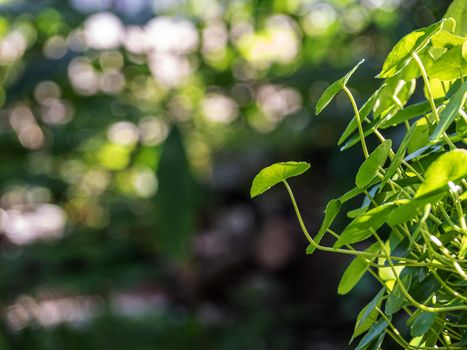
{"x": 414, "y": 196}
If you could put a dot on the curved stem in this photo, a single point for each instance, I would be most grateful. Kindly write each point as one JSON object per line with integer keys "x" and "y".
{"x": 359, "y": 121}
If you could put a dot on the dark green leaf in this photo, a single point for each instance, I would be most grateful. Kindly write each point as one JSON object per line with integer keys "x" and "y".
{"x": 175, "y": 199}
{"x": 422, "y": 323}
{"x": 374, "y": 332}
{"x": 368, "y": 315}
{"x": 396, "y": 298}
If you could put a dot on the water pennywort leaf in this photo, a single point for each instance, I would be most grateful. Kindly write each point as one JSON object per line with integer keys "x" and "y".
{"x": 369, "y": 168}
{"x": 334, "y": 88}
{"x": 330, "y": 213}
{"x": 274, "y": 174}
{"x": 450, "y": 166}
{"x": 401, "y": 54}
{"x": 355, "y": 271}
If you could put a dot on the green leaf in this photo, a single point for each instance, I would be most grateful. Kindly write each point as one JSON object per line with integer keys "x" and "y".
{"x": 175, "y": 201}
{"x": 396, "y": 89}
{"x": 361, "y": 227}
{"x": 450, "y": 66}
{"x": 369, "y": 168}
{"x": 330, "y": 213}
{"x": 464, "y": 50}
{"x": 422, "y": 323}
{"x": 399, "y": 157}
{"x": 458, "y": 11}
{"x": 450, "y": 166}
{"x": 367, "y": 130}
{"x": 401, "y": 54}
{"x": 355, "y": 271}
{"x": 334, "y": 88}
{"x": 448, "y": 115}
{"x": 420, "y": 135}
{"x": 408, "y": 113}
{"x": 364, "y": 112}
{"x": 447, "y": 39}
{"x": 374, "y": 332}
{"x": 368, "y": 315}
{"x": 396, "y": 298}
{"x": 274, "y": 174}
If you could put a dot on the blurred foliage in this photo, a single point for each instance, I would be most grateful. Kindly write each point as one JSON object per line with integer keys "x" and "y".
{"x": 115, "y": 116}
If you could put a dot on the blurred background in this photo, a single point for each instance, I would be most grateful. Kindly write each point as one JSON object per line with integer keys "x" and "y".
{"x": 130, "y": 131}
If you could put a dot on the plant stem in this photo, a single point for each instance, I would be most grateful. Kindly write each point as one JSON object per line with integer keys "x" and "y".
{"x": 359, "y": 121}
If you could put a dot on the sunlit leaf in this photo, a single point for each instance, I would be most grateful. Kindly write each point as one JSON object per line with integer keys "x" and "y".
{"x": 408, "y": 113}
{"x": 458, "y": 11}
{"x": 274, "y": 174}
{"x": 361, "y": 227}
{"x": 448, "y": 115}
{"x": 450, "y": 66}
{"x": 450, "y": 166}
{"x": 402, "y": 52}
{"x": 334, "y": 88}
{"x": 369, "y": 168}
{"x": 330, "y": 213}
{"x": 399, "y": 156}
{"x": 355, "y": 271}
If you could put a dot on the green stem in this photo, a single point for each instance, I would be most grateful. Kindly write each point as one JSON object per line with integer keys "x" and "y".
{"x": 359, "y": 121}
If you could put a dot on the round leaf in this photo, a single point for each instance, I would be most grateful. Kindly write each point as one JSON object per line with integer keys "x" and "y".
{"x": 274, "y": 174}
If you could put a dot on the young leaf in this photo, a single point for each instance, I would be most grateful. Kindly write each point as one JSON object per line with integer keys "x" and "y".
{"x": 399, "y": 157}
{"x": 420, "y": 136}
{"x": 450, "y": 166}
{"x": 450, "y": 66}
{"x": 368, "y": 315}
{"x": 330, "y": 213}
{"x": 274, "y": 174}
{"x": 355, "y": 271}
{"x": 458, "y": 11}
{"x": 396, "y": 89}
{"x": 369, "y": 168}
{"x": 334, "y": 88}
{"x": 456, "y": 103}
{"x": 408, "y": 113}
{"x": 374, "y": 332}
{"x": 422, "y": 323}
{"x": 446, "y": 39}
{"x": 396, "y": 298}
{"x": 401, "y": 54}
{"x": 361, "y": 227}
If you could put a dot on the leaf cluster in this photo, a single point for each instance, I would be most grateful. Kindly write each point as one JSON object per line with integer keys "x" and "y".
{"x": 413, "y": 213}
